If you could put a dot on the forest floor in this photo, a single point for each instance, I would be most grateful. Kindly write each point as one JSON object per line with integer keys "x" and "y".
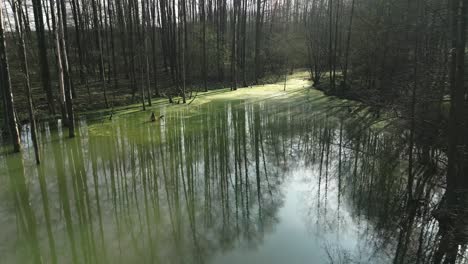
{"x": 296, "y": 82}
{"x": 90, "y": 100}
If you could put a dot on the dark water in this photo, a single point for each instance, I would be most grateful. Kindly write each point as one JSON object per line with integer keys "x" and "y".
{"x": 285, "y": 180}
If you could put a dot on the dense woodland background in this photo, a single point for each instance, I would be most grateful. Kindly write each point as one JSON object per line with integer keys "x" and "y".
{"x": 404, "y": 59}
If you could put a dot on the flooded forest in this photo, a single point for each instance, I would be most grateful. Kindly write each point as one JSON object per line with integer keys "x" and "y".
{"x": 234, "y": 131}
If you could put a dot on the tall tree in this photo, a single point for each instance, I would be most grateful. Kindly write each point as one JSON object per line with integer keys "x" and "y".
{"x": 330, "y": 44}
{"x": 244, "y": 43}
{"x": 452, "y": 219}
{"x": 234, "y": 45}
{"x": 19, "y": 25}
{"x": 154, "y": 47}
{"x": 203, "y": 20}
{"x": 7, "y": 89}
{"x": 258, "y": 38}
{"x": 42, "y": 48}
{"x": 64, "y": 69}
{"x": 77, "y": 20}
{"x": 183, "y": 47}
{"x": 98, "y": 39}
{"x": 348, "y": 44}
{"x": 110, "y": 10}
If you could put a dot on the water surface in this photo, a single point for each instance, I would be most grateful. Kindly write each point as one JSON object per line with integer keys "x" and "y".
{"x": 283, "y": 177}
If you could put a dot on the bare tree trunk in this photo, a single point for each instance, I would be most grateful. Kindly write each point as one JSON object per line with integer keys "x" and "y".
{"x": 203, "y": 20}
{"x": 186, "y": 45}
{"x": 58, "y": 63}
{"x": 457, "y": 120}
{"x": 183, "y": 46}
{"x": 258, "y": 38}
{"x": 144, "y": 27}
{"x": 164, "y": 31}
{"x": 222, "y": 18}
{"x": 77, "y": 21}
{"x": 66, "y": 75}
{"x": 6, "y": 83}
{"x": 451, "y": 218}
{"x": 123, "y": 33}
{"x": 330, "y": 44}
{"x": 42, "y": 47}
{"x": 97, "y": 32}
{"x": 348, "y": 42}
{"x": 140, "y": 29}
{"x": 234, "y": 47}
{"x": 63, "y": 13}
{"x": 244, "y": 44}
{"x": 111, "y": 9}
{"x": 16, "y": 5}
{"x": 154, "y": 31}
{"x": 335, "y": 46}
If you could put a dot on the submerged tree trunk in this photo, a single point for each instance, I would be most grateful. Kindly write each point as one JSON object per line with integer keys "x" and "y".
{"x": 144, "y": 30}
{"x": 66, "y": 74}
{"x": 19, "y": 24}
{"x": 58, "y": 63}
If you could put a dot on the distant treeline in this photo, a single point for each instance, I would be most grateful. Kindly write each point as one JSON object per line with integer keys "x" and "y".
{"x": 147, "y": 47}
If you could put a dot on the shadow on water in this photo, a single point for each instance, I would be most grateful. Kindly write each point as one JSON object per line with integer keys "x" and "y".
{"x": 271, "y": 181}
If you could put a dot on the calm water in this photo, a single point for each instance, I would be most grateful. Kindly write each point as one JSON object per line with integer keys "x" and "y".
{"x": 283, "y": 180}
